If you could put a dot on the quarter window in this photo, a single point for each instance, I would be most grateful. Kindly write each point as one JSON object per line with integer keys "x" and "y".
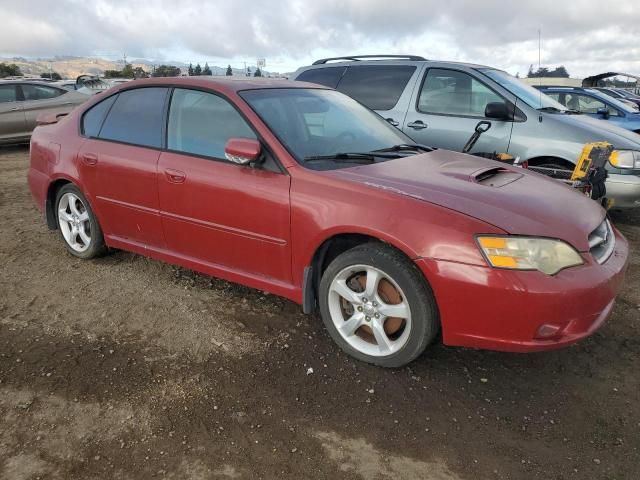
{"x": 7, "y": 93}
{"x": 136, "y": 117}
{"x": 454, "y": 93}
{"x": 40, "y": 92}
{"x": 201, "y": 123}
{"x": 378, "y": 87}
{"x": 94, "y": 117}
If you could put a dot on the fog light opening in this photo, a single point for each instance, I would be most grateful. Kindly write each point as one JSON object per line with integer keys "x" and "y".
{"x": 547, "y": 331}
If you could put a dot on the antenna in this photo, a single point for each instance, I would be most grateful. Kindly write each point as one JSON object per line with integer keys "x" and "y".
{"x": 539, "y": 65}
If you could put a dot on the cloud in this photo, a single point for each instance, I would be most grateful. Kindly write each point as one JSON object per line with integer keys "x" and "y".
{"x": 584, "y": 35}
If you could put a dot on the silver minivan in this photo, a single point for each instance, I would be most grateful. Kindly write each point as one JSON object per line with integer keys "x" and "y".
{"x": 440, "y": 103}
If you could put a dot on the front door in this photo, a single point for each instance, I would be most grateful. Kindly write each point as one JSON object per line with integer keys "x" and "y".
{"x": 447, "y": 108}
{"x": 214, "y": 211}
{"x": 12, "y": 124}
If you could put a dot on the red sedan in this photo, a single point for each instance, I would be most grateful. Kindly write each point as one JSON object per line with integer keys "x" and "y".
{"x": 299, "y": 190}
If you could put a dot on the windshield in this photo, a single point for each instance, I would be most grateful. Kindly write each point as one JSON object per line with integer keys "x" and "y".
{"x": 529, "y": 95}
{"x": 321, "y": 123}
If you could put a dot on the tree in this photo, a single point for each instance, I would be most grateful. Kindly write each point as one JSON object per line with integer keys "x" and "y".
{"x": 127, "y": 71}
{"x": 197, "y": 70}
{"x": 190, "y": 70}
{"x": 165, "y": 71}
{"x": 257, "y": 73}
{"x": 138, "y": 72}
{"x": 51, "y": 76}
{"x": 9, "y": 70}
{"x": 229, "y": 71}
{"x": 112, "y": 73}
{"x": 559, "y": 72}
{"x": 206, "y": 70}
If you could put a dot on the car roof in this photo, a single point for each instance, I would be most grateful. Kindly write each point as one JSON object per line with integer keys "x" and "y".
{"x": 223, "y": 84}
{"x": 357, "y": 61}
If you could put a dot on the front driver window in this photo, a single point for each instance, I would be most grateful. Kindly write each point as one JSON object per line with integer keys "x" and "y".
{"x": 454, "y": 93}
{"x": 587, "y": 104}
{"x": 201, "y": 123}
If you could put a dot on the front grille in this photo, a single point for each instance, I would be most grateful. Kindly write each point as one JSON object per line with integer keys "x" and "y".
{"x": 601, "y": 242}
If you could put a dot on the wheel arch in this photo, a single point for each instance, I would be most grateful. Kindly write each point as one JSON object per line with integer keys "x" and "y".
{"x": 541, "y": 160}
{"x": 326, "y": 251}
{"x": 50, "y": 201}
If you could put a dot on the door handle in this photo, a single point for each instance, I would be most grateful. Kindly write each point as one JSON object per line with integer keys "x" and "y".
{"x": 417, "y": 125}
{"x": 90, "y": 158}
{"x": 175, "y": 176}
{"x": 14, "y": 109}
{"x": 392, "y": 122}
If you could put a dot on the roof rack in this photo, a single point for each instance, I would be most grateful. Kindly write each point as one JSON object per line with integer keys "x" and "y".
{"x": 356, "y": 58}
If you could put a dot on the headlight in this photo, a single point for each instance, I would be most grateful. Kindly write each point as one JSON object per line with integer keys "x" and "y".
{"x": 527, "y": 253}
{"x": 625, "y": 159}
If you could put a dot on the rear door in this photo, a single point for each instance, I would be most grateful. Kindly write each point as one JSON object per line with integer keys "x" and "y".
{"x": 446, "y": 108}
{"x": 12, "y": 123}
{"x": 44, "y": 99}
{"x": 214, "y": 211}
{"x": 119, "y": 162}
{"x": 382, "y": 88}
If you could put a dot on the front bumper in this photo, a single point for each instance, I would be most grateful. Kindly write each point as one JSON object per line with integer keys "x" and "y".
{"x": 624, "y": 190}
{"x": 498, "y": 309}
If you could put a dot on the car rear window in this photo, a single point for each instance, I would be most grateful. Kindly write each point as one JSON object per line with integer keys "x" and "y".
{"x": 329, "y": 77}
{"x": 94, "y": 117}
{"x": 376, "y": 86}
{"x": 136, "y": 117}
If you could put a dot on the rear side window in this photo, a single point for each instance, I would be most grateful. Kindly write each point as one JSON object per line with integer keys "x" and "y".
{"x": 93, "y": 118}
{"x": 201, "y": 123}
{"x": 40, "y": 92}
{"x": 7, "y": 93}
{"x": 329, "y": 77}
{"x": 377, "y": 86}
{"x": 136, "y": 117}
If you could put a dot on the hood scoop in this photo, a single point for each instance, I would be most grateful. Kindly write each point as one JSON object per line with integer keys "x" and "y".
{"x": 495, "y": 177}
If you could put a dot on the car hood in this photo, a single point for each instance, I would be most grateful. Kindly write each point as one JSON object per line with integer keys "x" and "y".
{"x": 513, "y": 199}
{"x": 602, "y": 130}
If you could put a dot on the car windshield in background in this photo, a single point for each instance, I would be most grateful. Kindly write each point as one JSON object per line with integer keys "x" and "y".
{"x": 529, "y": 95}
{"x": 314, "y": 123}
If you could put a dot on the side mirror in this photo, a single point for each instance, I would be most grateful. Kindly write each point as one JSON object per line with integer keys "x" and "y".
{"x": 242, "y": 150}
{"x": 498, "y": 111}
{"x": 603, "y": 112}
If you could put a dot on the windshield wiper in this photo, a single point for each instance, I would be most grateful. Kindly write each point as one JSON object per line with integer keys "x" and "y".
{"x": 351, "y": 157}
{"x": 403, "y": 147}
{"x": 342, "y": 156}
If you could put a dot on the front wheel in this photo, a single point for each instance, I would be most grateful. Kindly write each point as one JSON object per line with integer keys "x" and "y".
{"x": 377, "y": 306}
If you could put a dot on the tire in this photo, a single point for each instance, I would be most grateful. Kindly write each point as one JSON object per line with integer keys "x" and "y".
{"x": 380, "y": 282}
{"x": 78, "y": 225}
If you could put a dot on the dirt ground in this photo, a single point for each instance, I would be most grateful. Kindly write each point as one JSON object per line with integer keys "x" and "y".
{"x": 129, "y": 368}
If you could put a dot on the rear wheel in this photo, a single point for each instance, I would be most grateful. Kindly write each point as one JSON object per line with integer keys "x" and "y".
{"x": 376, "y": 305}
{"x": 77, "y": 223}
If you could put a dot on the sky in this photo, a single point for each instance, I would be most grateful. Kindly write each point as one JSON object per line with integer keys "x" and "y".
{"x": 585, "y": 36}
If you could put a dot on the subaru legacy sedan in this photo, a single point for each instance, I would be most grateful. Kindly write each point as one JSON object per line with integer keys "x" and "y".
{"x": 298, "y": 190}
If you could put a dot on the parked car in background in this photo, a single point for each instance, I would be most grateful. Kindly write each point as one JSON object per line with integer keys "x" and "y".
{"x": 621, "y": 95}
{"x": 440, "y": 103}
{"x": 298, "y": 190}
{"x": 22, "y": 101}
{"x": 69, "y": 85}
{"x": 596, "y": 104}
